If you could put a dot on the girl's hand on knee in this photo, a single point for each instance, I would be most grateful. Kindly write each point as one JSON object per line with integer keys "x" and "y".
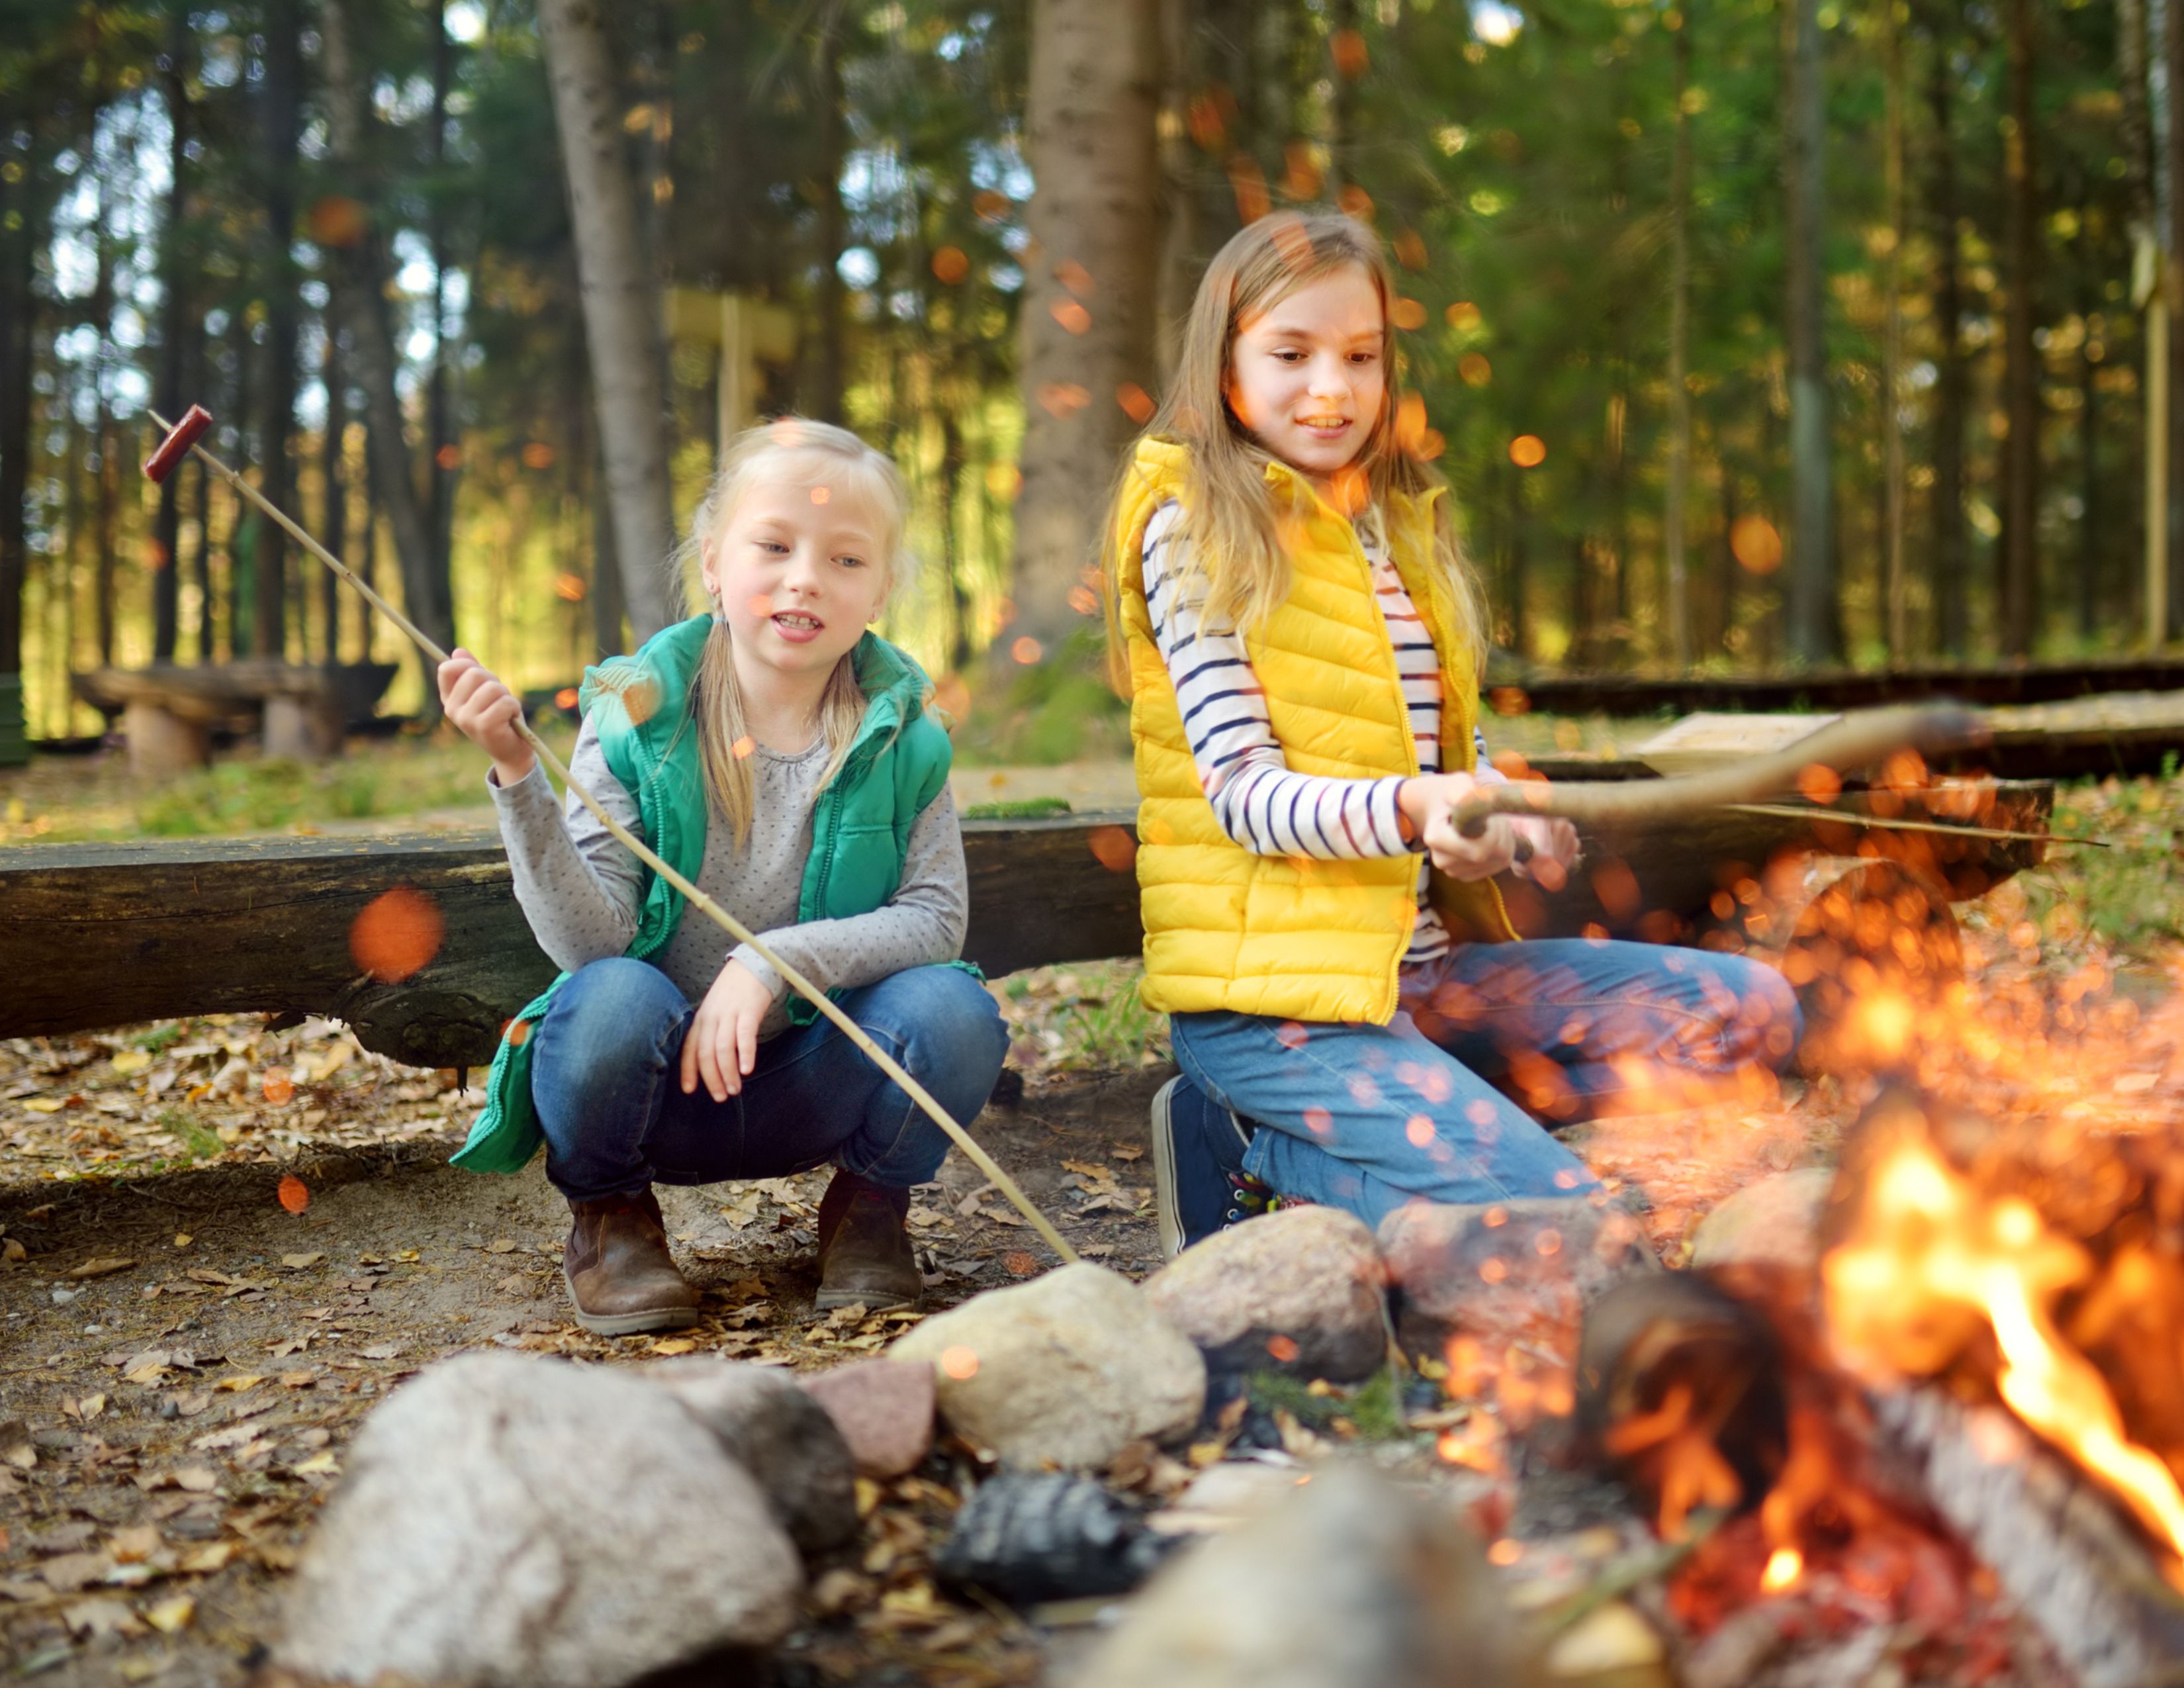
{"x": 1554, "y": 850}
{"x": 487, "y": 713}
{"x": 722, "y": 1045}
{"x": 1429, "y": 801}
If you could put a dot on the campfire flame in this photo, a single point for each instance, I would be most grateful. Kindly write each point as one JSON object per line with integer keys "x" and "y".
{"x": 1931, "y": 1264}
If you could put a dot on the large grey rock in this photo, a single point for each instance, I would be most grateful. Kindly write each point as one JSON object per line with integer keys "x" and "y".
{"x": 517, "y": 1523}
{"x": 779, "y": 1435}
{"x": 1775, "y": 1221}
{"x": 1295, "y": 1291}
{"x": 1505, "y": 1271}
{"x": 1066, "y": 1369}
{"x": 1349, "y": 1580}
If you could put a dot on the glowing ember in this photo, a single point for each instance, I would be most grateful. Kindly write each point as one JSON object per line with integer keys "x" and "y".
{"x": 1785, "y": 1565}
{"x": 396, "y": 934}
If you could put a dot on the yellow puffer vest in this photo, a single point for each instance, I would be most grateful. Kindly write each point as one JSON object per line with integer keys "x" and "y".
{"x": 1284, "y": 935}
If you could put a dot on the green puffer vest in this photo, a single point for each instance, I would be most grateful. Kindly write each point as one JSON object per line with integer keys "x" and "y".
{"x": 639, "y": 706}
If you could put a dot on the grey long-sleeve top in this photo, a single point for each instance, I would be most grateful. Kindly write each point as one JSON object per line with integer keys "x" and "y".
{"x": 581, "y": 889}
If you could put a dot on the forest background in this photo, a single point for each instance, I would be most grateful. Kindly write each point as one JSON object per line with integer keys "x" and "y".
{"x": 1750, "y": 333}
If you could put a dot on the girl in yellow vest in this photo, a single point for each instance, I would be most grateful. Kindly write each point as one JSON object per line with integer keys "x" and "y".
{"x": 1301, "y": 639}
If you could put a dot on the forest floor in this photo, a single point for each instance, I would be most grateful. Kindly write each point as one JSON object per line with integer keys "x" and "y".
{"x": 224, "y": 1245}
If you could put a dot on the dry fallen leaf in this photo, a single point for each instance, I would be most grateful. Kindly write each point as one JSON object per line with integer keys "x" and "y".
{"x": 247, "y": 1381}
{"x": 198, "y": 1479}
{"x": 380, "y": 1351}
{"x": 172, "y": 1615}
{"x": 102, "y": 1265}
{"x": 298, "y": 1379}
{"x": 130, "y": 1061}
{"x": 208, "y": 1558}
{"x": 501, "y": 1245}
{"x": 297, "y": 1263}
{"x": 677, "y": 1344}
{"x": 135, "y": 1544}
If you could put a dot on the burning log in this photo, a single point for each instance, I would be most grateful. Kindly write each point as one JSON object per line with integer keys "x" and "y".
{"x": 2056, "y": 1545}
{"x": 1679, "y": 1390}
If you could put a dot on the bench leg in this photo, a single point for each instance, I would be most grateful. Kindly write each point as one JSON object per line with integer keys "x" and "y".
{"x": 304, "y": 728}
{"x": 161, "y": 743}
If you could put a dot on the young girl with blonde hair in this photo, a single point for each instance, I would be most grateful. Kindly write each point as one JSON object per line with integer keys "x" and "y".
{"x": 1301, "y": 639}
{"x": 780, "y": 756}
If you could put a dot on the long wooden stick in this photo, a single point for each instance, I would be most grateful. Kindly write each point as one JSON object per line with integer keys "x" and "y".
{"x": 817, "y": 998}
{"x": 1853, "y": 742}
{"x": 1791, "y": 811}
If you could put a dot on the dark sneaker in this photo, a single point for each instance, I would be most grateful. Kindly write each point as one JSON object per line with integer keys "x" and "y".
{"x": 865, "y": 1253}
{"x": 619, "y": 1272}
{"x": 1200, "y": 1185}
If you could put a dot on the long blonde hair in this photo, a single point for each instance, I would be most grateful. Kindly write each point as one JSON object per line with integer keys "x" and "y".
{"x": 1235, "y": 527}
{"x": 801, "y": 453}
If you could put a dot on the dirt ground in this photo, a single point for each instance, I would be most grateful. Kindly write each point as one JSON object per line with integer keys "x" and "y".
{"x": 185, "y": 1359}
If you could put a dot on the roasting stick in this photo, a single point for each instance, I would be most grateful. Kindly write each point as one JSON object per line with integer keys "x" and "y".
{"x": 183, "y": 438}
{"x": 1853, "y": 742}
{"x": 1791, "y": 811}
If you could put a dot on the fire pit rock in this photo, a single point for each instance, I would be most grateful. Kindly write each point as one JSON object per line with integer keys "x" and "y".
{"x": 521, "y": 1522}
{"x": 884, "y": 1409}
{"x": 1297, "y": 1290}
{"x": 1505, "y": 1271}
{"x": 1349, "y": 1578}
{"x": 778, "y": 1432}
{"x": 1064, "y": 1370}
{"x": 1776, "y": 1221}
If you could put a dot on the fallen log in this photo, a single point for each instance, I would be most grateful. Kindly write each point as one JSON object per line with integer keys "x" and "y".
{"x": 114, "y": 935}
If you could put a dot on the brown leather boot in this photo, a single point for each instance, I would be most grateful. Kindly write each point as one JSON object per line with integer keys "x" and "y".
{"x": 864, "y": 1247}
{"x": 619, "y": 1272}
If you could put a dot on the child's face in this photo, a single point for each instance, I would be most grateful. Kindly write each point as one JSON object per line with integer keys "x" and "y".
{"x": 1308, "y": 375}
{"x": 799, "y": 571}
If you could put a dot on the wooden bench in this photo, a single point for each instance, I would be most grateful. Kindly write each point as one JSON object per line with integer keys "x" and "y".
{"x": 102, "y": 935}
{"x": 168, "y": 711}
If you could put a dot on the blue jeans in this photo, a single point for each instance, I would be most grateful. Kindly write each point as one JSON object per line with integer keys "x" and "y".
{"x": 606, "y": 1078}
{"x": 1369, "y": 1117}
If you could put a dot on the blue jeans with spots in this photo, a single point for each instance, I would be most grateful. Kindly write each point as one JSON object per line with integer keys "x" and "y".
{"x": 1368, "y": 1117}
{"x": 606, "y": 1076}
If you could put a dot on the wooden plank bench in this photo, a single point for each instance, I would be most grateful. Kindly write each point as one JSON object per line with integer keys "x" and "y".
{"x": 168, "y": 711}
{"x": 102, "y": 935}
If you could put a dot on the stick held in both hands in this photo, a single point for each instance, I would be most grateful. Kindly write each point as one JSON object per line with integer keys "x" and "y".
{"x": 181, "y": 439}
{"x": 1856, "y": 741}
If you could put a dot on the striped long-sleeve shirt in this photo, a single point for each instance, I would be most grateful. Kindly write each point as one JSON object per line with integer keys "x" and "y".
{"x": 1259, "y": 800}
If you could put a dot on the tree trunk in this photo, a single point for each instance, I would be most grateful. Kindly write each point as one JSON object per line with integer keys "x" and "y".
{"x": 333, "y": 517}
{"x": 361, "y": 301}
{"x": 174, "y": 332}
{"x": 1895, "y": 598}
{"x": 1952, "y": 381}
{"x": 17, "y": 321}
{"x": 105, "y": 494}
{"x": 282, "y": 98}
{"x": 953, "y": 458}
{"x": 1089, "y": 123}
{"x": 832, "y": 140}
{"x": 443, "y": 464}
{"x": 1813, "y": 634}
{"x": 1676, "y": 517}
{"x": 2017, "y": 554}
{"x": 2090, "y": 566}
{"x": 2170, "y": 139}
{"x": 622, "y": 307}
{"x": 1348, "y": 47}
